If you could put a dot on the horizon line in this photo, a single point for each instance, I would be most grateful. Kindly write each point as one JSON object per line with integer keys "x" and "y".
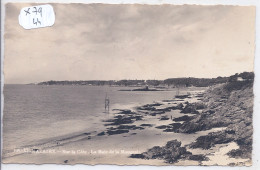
{"x": 130, "y": 79}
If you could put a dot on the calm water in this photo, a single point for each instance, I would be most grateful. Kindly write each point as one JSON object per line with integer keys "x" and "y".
{"x": 33, "y": 114}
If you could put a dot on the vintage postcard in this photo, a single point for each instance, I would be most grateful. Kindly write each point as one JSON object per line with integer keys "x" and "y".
{"x": 128, "y": 84}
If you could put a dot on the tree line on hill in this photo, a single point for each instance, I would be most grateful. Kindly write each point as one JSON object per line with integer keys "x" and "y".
{"x": 174, "y": 82}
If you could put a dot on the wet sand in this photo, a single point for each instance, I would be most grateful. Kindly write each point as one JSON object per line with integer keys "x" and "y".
{"x": 127, "y": 132}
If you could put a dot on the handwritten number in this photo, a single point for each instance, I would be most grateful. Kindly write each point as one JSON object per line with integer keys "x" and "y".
{"x": 40, "y": 11}
{"x": 27, "y": 12}
{"x": 39, "y": 21}
{"x": 36, "y": 22}
{"x": 37, "y": 11}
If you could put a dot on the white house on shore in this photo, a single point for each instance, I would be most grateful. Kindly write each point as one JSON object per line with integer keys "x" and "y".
{"x": 240, "y": 79}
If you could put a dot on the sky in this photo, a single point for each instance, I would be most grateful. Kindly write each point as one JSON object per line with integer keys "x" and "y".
{"x": 113, "y": 42}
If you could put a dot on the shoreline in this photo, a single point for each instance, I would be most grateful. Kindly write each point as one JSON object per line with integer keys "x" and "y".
{"x": 159, "y": 122}
{"x": 49, "y": 143}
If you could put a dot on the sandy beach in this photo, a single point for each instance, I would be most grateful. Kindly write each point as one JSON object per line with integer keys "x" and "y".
{"x": 130, "y": 137}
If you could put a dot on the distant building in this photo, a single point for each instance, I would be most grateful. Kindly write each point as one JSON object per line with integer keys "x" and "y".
{"x": 240, "y": 79}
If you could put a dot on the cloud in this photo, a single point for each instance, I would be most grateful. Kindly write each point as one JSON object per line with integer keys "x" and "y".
{"x": 102, "y": 41}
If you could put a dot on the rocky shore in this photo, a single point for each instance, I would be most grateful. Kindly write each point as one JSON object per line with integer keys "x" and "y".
{"x": 228, "y": 105}
{"x": 197, "y": 126}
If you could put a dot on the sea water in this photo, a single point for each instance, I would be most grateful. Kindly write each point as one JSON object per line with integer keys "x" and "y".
{"x": 34, "y": 114}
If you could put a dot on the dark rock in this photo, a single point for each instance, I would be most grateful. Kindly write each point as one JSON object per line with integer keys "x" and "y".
{"x": 154, "y": 104}
{"x": 235, "y": 153}
{"x": 114, "y": 132}
{"x": 171, "y": 152}
{"x": 126, "y": 126}
{"x": 198, "y": 158}
{"x": 181, "y": 96}
{"x": 193, "y": 107}
{"x": 147, "y": 125}
{"x": 167, "y": 100}
{"x": 173, "y": 127}
{"x": 149, "y": 107}
{"x": 153, "y": 114}
{"x": 145, "y": 89}
{"x": 178, "y": 100}
{"x": 211, "y": 139}
{"x": 157, "y": 113}
{"x": 183, "y": 118}
{"x": 164, "y": 118}
{"x": 211, "y": 111}
{"x": 167, "y": 109}
{"x": 138, "y": 127}
{"x": 141, "y": 156}
{"x": 101, "y": 134}
{"x": 121, "y": 120}
{"x": 173, "y": 144}
{"x": 162, "y": 127}
{"x": 200, "y": 105}
{"x": 191, "y": 127}
{"x": 244, "y": 152}
{"x": 230, "y": 131}
{"x": 138, "y": 118}
{"x": 200, "y": 95}
{"x": 109, "y": 120}
{"x": 126, "y": 112}
{"x": 179, "y": 106}
{"x": 189, "y": 108}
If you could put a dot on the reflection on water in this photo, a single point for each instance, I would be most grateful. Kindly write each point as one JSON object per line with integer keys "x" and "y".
{"x": 37, "y": 113}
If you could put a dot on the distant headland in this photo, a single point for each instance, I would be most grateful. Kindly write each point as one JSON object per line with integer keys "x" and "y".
{"x": 170, "y": 82}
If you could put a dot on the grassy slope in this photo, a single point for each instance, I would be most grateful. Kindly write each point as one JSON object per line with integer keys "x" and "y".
{"x": 229, "y": 105}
